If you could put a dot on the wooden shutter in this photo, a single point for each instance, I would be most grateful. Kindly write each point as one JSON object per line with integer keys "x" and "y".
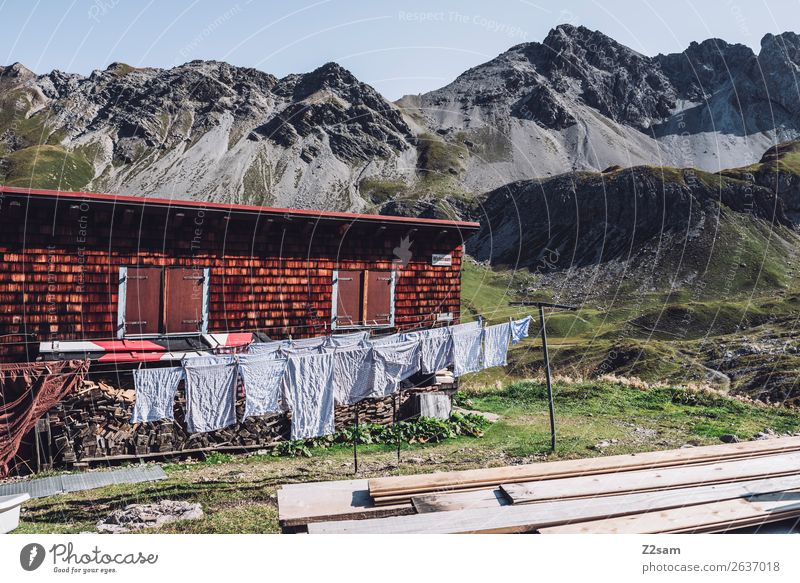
{"x": 183, "y": 303}
{"x": 349, "y": 297}
{"x": 142, "y": 301}
{"x": 379, "y": 298}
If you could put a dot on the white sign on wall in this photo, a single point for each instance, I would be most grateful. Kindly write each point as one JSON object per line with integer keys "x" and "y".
{"x": 444, "y": 317}
{"x": 442, "y": 259}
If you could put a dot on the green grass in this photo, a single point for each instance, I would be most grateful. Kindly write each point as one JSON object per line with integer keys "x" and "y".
{"x": 437, "y": 157}
{"x": 47, "y": 167}
{"x": 238, "y": 493}
{"x": 379, "y": 191}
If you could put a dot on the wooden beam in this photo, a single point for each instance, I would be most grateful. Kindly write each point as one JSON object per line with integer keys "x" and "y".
{"x": 301, "y": 504}
{"x": 460, "y": 501}
{"x": 531, "y": 517}
{"x": 648, "y": 480}
{"x": 395, "y": 489}
{"x": 694, "y": 518}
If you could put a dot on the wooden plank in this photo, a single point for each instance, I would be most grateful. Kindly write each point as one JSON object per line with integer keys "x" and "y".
{"x": 393, "y": 489}
{"x": 694, "y": 518}
{"x": 530, "y": 517}
{"x": 648, "y": 480}
{"x": 300, "y": 504}
{"x": 460, "y": 501}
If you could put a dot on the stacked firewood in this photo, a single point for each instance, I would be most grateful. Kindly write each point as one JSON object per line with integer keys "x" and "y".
{"x": 94, "y": 423}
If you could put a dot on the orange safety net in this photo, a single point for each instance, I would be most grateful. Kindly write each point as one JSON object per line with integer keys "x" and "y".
{"x": 27, "y": 391}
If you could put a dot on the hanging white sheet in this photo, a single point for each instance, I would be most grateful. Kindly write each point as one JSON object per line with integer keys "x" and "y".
{"x": 210, "y": 397}
{"x": 155, "y": 393}
{"x": 393, "y": 363}
{"x": 519, "y": 329}
{"x": 495, "y": 345}
{"x": 467, "y": 345}
{"x": 352, "y": 375}
{"x": 436, "y": 349}
{"x": 263, "y": 383}
{"x": 308, "y": 392}
{"x": 345, "y": 340}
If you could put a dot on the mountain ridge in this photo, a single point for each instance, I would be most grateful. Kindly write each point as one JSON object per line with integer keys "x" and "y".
{"x": 578, "y": 100}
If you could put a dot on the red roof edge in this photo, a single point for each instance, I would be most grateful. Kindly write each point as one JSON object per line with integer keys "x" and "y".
{"x": 237, "y": 208}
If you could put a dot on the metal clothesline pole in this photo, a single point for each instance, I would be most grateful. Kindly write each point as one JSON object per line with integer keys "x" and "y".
{"x": 550, "y": 399}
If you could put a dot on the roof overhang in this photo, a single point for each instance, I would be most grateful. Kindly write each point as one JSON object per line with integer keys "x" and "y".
{"x": 274, "y": 212}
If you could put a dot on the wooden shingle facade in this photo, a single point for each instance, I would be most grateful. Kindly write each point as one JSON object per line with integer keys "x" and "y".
{"x": 105, "y": 268}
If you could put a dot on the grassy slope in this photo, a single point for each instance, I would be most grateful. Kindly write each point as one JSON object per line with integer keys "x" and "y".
{"x": 47, "y": 167}
{"x": 238, "y": 492}
{"x": 657, "y": 336}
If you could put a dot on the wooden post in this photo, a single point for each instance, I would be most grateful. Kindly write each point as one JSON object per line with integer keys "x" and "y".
{"x": 355, "y": 443}
{"x": 549, "y": 382}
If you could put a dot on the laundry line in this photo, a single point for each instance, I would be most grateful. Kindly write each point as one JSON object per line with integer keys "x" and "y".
{"x": 308, "y": 377}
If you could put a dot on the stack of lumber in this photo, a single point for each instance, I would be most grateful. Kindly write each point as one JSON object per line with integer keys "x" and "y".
{"x": 93, "y": 425}
{"x": 702, "y": 489}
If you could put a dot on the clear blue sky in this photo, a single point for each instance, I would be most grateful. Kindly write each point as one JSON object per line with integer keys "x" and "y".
{"x": 399, "y": 46}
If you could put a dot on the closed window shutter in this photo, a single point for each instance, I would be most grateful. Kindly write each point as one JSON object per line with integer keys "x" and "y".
{"x": 143, "y": 301}
{"x": 183, "y": 300}
{"x": 379, "y": 298}
{"x": 349, "y": 298}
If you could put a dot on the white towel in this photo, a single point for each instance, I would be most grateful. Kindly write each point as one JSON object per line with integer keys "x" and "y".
{"x": 519, "y": 329}
{"x": 308, "y": 391}
{"x": 352, "y": 374}
{"x": 210, "y": 397}
{"x": 495, "y": 345}
{"x": 273, "y": 349}
{"x": 210, "y": 359}
{"x": 155, "y": 393}
{"x": 467, "y": 341}
{"x": 393, "y": 363}
{"x": 436, "y": 349}
{"x": 384, "y": 340}
{"x": 345, "y": 340}
{"x": 263, "y": 382}
{"x": 316, "y": 342}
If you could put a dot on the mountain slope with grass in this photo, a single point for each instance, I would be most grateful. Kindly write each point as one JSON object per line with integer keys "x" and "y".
{"x": 647, "y": 229}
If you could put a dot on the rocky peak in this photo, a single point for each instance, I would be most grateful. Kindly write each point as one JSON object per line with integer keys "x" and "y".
{"x": 17, "y": 71}
{"x": 779, "y": 63}
{"x": 703, "y": 68}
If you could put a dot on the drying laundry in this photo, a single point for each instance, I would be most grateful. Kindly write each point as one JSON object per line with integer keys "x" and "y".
{"x": 316, "y": 343}
{"x": 345, "y": 340}
{"x": 519, "y": 329}
{"x": 210, "y": 397}
{"x": 268, "y": 348}
{"x": 308, "y": 392}
{"x": 495, "y": 345}
{"x": 352, "y": 375}
{"x": 436, "y": 349}
{"x": 155, "y": 393}
{"x": 263, "y": 381}
{"x": 391, "y": 339}
{"x": 467, "y": 341}
{"x": 210, "y": 359}
{"x": 392, "y": 364}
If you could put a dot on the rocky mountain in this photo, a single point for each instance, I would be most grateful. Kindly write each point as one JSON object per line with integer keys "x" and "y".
{"x": 205, "y": 130}
{"x": 581, "y": 101}
{"x": 647, "y": 229}
{"x": 578, "y": 100}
